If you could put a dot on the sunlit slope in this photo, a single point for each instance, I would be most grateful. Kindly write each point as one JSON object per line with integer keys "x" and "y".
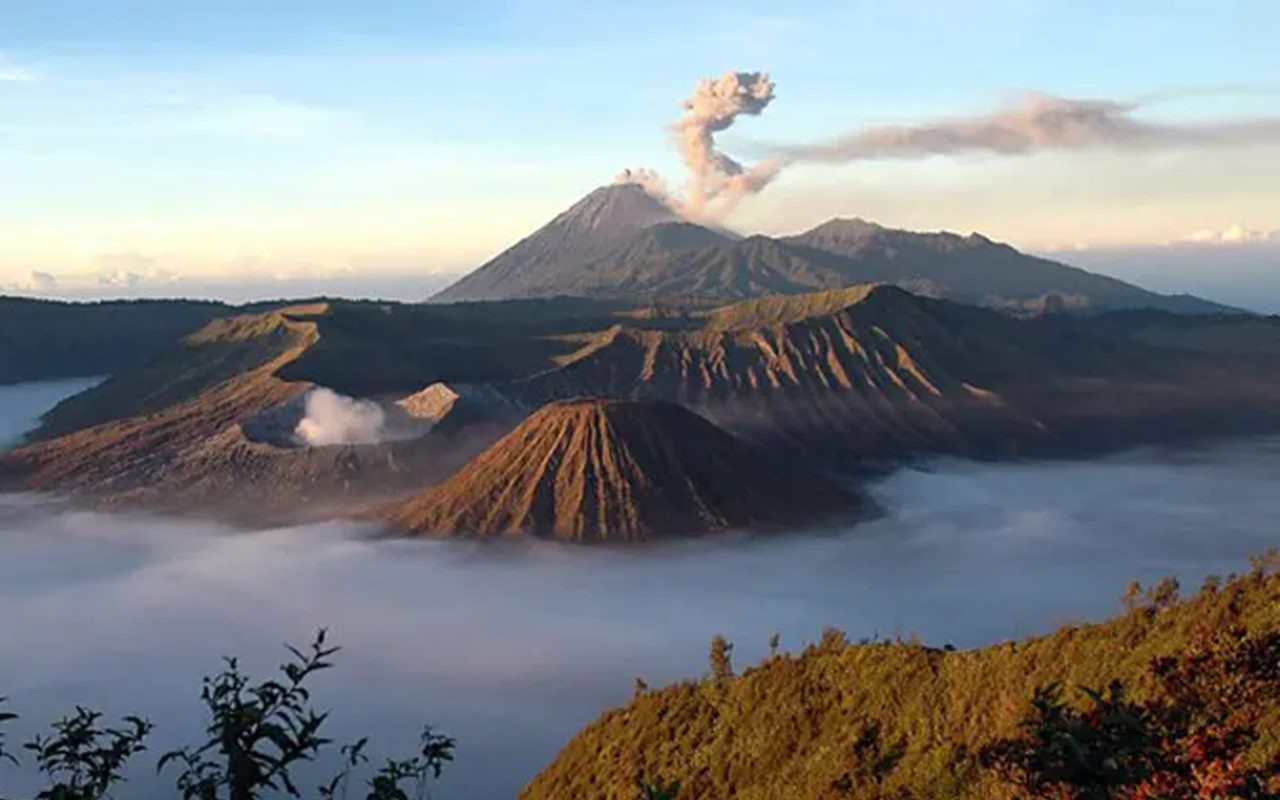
{"x": 876, "y": 371}
{"x": 607, "y": 470}
{"x": 174, "y": 432}
{"x": 817, "y": 723}
{"x": 220, "y": 351}
{"x": 177, "y": 416}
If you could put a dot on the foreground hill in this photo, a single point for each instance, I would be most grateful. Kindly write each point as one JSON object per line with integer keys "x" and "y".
{"x": 47, "y": 339}
{"x": 900, "y": 720}
{"x": 618, "y": 242}
{"x": 609, "y": 470}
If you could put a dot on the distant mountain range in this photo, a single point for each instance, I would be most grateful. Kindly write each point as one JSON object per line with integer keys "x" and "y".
{"x": 618, "y": 241}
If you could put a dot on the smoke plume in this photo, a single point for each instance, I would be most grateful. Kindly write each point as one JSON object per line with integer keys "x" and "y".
{"x": 332, "y": 418}
{"x": 712, "y": 108}
{"x": 1040, "y": 123}
{"x": 716, "y": 181}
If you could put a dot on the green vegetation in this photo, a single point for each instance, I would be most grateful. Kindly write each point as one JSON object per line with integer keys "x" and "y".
{"x": 258, "y": 732}
{"x": 879, "y": 720}
{"x": 1194, "y": 737}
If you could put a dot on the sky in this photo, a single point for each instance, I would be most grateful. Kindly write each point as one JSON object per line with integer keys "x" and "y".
{"x": 240, "y": 148}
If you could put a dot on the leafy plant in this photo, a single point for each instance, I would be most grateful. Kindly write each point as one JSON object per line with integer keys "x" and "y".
{"x": 659, "y": 791}
{"x": 257, "y": 731}
{"x": 5, "y": 718}
{"x": 720, "y": 658}
{"x": 84, "y": 760}
{"x": 434, "y": 753}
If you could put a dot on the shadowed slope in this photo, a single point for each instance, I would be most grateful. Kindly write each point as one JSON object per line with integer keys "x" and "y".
{"x": 605, "y": 219}
{"x": 975, "y": 269}
{"x": 45, "y": 339}
{"x": 598, "y": 470}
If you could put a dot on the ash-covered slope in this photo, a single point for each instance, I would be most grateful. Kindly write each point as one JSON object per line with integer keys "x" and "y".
{"x": 720, "y": 270}
{"x": 604, "y": 470}
{"x": 604, "y": 220}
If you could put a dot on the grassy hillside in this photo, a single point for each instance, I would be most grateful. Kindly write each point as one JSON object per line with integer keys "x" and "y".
{"x": 817, "y": 723}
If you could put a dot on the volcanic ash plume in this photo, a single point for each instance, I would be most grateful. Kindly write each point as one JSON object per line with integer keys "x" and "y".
{"x": 714, "y": 105}
{"x": 716, "y": 181}
{"x": 1041, "y": 122}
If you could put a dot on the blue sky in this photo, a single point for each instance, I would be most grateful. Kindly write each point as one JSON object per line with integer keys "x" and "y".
{"x": 159, "y": 142}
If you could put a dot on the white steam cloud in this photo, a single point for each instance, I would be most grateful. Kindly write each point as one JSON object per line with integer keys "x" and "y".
{"x": 332, "y": 418}
{"x": 1041, "y": 122}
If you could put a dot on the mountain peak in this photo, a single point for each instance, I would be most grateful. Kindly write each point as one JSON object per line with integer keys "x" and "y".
{"x": 604, "y": 220}
{"x": 619, "y": 205}
{"x": 616, "y": 470}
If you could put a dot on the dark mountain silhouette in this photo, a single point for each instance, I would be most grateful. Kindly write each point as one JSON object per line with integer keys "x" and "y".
{"x": 618, "y": 242}
{"x": 973, "y": 269}
{"x": 608, "y": 470}
{"x": 46, "y": 339}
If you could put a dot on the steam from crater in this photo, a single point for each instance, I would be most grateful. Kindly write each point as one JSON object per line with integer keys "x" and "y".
{"x": 332, "y": 418}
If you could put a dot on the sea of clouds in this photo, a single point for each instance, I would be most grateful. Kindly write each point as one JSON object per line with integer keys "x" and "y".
{"x": 511, "y": 649}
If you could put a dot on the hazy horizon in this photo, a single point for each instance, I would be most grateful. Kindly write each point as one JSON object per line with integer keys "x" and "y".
{"x": 151, "y": 149}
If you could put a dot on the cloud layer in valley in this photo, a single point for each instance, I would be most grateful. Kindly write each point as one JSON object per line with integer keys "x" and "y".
{"x": 513, "y": 649}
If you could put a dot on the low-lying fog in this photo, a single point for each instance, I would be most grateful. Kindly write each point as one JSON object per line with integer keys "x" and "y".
{"x": 513, "y": 649}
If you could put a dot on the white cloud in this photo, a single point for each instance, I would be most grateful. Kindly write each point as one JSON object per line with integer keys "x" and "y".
{"x": 129, "y": 269}
{"x": 1231, "y": 235}
{"x": 14, "y": 73}
{"x": 36, "y": 282}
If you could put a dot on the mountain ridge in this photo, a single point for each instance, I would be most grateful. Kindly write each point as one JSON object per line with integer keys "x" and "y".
{"x": 606, "y": 245}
